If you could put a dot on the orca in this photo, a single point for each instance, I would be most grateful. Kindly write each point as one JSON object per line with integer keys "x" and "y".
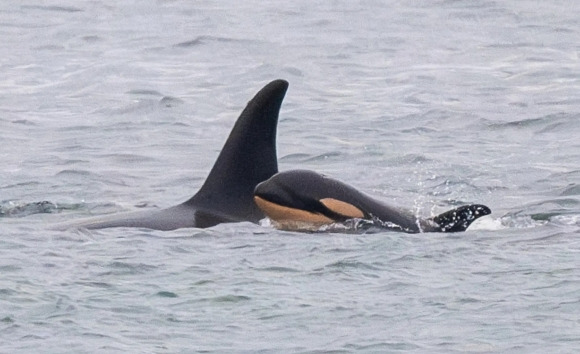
{"x": 247, "y": 158}
{"x": 306, "y": 200}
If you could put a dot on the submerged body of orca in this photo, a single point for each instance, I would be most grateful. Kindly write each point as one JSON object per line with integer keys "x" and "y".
{"x": 303, "y": 200}
{"x": 247, "y": 158}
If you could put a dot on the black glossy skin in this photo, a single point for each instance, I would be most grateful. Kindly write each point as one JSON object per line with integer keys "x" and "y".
{"x": 247, "y": 158}
{"x": 303, "y": 189}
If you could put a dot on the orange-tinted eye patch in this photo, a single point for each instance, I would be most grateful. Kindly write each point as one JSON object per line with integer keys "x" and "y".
{"x": 342, "y": 208}
{"x": 281, "y": 213}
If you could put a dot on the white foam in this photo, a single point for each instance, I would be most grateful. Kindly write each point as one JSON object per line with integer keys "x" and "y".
{"x": 571, "y": 219}
{"x": 487, "y": 223}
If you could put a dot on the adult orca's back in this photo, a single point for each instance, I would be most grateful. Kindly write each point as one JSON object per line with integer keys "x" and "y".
{"x": 247, "y": 158}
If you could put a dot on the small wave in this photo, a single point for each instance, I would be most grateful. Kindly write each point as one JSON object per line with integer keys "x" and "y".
{"x": 521, "y": 220}
{"x": 122, "y": 158}
{"x": 169, "y": 101}
{"x": 128, "y": 268}
{"x": 209, "y": 39}
{"x": 542, "y": 212}
{"x": 69, "y": 9}
{"x": 572, "y": 189}
{"x": 23, "y": 122}
{"x": 409, "y": 159}
{"x": 164, "y": 101}
{"x": 522, "y": 123}
{"x": 325, "y": 156}
{"x": 555, "y": 206}
{"x": 348, "y": 263}
{"x": 570, "y": 219}
{"x": 91, "y": 39}
{"x": 448, "y": 185}
{"x": 19, "y": 209}
{"x": 419, "y": 130}
{"x": 278, "y": 269}
{"x": 73, "y": 172}
{"x": 227, "y": 299}
{"x": 144, "y": 92}
{"x": 297, "y": 157}
{"x": 548, "y": 124}
{"x": 167, "y": 294}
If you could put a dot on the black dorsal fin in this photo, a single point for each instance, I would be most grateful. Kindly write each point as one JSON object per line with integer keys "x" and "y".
{"x": 247, "y": 158}
{"x": 459, "y": 219}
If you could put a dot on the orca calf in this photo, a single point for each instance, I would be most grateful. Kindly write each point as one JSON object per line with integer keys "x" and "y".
{"x": 301, "y": 199}
{"x": 247, "y": 158}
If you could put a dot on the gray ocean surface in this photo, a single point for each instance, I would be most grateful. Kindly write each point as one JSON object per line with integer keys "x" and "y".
{"x": 110, "y": 106}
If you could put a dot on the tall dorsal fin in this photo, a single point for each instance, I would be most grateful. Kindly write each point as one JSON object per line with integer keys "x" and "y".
{"x": 247, "y": 158}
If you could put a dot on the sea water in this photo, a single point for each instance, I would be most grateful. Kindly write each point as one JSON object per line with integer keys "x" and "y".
{"x": 110, "y": 106}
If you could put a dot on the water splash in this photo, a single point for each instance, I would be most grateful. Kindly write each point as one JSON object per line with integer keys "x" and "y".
{"x": 19, "y": 209}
